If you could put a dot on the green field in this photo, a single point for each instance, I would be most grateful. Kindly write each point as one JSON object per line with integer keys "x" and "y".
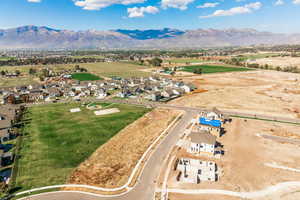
{"x": 185, "y": 60}
{"x": 56, "y": 141}
{"x": 207, "y": 69}
{"x": 85, "y": 77}
{"x": 6, "y": 58}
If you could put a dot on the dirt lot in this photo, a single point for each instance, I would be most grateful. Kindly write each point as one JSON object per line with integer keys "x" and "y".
{"x": 111, "y": 165}
{"x": 279, "y": 61}
{"x": 202, "y": 197}
{"x": 261, "y": 92}
{"x": 242, "y": 166}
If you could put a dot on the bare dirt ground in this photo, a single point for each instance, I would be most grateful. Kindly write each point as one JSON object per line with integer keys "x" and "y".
{"x": 261, "y": 92}
{"x": 242, "y": 166}
{"x": 111, "y": 165}
{"x": 279, "y": 61}
{"x": 202, "y": 197}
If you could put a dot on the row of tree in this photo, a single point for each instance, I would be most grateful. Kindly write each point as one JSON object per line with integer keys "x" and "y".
{"x": 49, "y": 61}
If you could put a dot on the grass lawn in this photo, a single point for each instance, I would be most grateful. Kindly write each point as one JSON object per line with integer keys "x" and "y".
{"x": 207, "y": 69}
{"x": 57, "y": 141}
{"x": 85, "y": 77}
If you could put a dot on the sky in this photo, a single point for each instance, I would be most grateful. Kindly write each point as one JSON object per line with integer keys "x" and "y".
{"x": 280, "y": 16}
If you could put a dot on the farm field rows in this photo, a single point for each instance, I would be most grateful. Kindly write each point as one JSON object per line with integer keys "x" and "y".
{"x": 56, "y": 141}
{"x": 185, "y": 60}
{"x": 207, "y": 69}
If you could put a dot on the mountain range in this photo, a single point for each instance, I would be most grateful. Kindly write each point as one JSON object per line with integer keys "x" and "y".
{"x": 42, "y": 37}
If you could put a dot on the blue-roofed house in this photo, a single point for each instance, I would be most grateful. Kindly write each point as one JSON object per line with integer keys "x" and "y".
{"x": 213, "y": 126}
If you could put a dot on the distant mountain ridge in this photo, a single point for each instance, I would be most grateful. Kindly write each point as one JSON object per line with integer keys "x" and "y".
{"x": 42, "y": 37}
{"x": 151, "y": 34}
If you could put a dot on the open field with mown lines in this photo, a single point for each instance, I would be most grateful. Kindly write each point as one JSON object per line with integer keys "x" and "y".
{"x": 184, "y": 60}
{"x": 85, "y": 77}
{"x": 207, "y": 69}
{"x": 56, "y": 141}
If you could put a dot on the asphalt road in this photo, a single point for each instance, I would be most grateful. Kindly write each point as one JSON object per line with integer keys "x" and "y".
{"x": 145, "y": 187}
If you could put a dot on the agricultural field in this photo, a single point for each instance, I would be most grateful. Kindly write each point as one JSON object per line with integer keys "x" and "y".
{"x": 107, "y": 69}
{"x": 120, "y": 69}
{"x": 245, "y": 57}
{"x": 11, "y": 82}
{"x": 85, "y": 77}
{"x": 207, "y": 69}
{"x": 184, "y": 60}
{"x": 282, "y": 62}
{"x": 56, "y": 141}
{"x": 6, "y": 58}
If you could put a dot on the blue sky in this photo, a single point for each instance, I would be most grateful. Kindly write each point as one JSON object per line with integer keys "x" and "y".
{"x": 270, "y": 15}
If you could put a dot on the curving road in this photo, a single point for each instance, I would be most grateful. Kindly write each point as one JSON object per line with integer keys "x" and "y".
{"x": 145, "y": 188}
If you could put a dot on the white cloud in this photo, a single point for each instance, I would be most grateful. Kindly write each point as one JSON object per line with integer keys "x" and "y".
{"x": 279, "y": 3}
{"x": 34, "y": 1}
{"x": 140, "y": 11}
{"x": 248, "y": 8}
{"x": 99, "y": 4}
{"x": 180, "y": 4}
{"x": 208, "y": 5}
{"x": 296, "y": 1}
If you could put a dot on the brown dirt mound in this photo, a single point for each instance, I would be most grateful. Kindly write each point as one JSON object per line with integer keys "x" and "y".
{"x": 112, "y": 164}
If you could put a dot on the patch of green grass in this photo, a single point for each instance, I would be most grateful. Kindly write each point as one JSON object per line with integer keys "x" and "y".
{"x": 6, "y": 58}
{"x": 185, "y": 60}
{"x": 85, "y": 77}
{"x": 207, "y": 69}
{"x": 57, "y": 141}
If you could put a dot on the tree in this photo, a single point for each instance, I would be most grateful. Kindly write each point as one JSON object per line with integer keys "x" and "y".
{"x": 156, "y": 62}
{"x": 42, "y": 78}
{"x": 32, "y": 71}
{"x": 166, "y": 69}
{"x": 77, "y": 67}
{"x": 3, "y": 73}
{"x": 197, "y": 71}
{"x": 17, "y": 72}
{"x": 45, "y": 72}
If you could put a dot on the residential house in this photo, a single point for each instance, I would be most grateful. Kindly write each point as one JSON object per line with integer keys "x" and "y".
{"x": 202, "y": 143}
{"x": 213, "y": 126}
{"x": 215, "y": 114}
{"x": 196, "y": 171}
